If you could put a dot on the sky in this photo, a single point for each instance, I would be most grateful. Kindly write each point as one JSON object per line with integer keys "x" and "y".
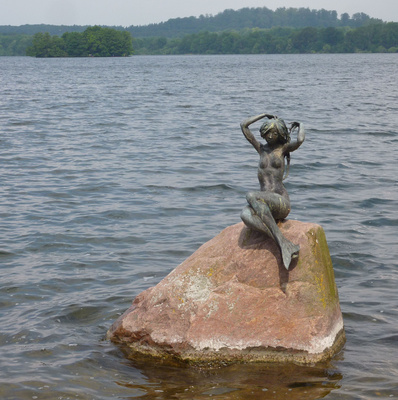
{"x": 143, "y": 12}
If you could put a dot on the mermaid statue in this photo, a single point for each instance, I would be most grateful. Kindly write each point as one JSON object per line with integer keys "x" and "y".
{"x": 271, "y": 203}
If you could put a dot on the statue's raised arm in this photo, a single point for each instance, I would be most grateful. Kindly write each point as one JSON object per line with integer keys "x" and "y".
{"x": 294, "y": 145}
{"x": 248, "y": 133}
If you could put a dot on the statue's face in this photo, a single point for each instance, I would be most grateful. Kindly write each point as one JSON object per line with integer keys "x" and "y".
{"x": 271, "y": 136}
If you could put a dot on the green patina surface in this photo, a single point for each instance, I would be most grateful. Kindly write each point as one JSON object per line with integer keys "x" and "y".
{"x": 246, "y": 239}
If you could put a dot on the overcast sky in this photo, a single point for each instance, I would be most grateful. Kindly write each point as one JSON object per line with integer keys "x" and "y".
{"x": 143, "y": 12}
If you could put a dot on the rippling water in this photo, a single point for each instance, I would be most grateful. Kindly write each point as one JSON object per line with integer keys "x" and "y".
{"x": 113, "y": 171}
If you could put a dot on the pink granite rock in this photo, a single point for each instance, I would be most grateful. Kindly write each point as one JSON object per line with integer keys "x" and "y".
{"x": 233, "y": 301}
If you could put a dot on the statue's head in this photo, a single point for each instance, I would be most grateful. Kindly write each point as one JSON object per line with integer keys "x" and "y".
{"x": 276, "y": 126}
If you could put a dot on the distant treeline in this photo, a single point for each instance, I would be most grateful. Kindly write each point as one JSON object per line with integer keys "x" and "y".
{"x": 95, "y": 41}
{"x": 262, "y": 18}
{"x": 42, "y": 28}
{"x": 375, "y": 38}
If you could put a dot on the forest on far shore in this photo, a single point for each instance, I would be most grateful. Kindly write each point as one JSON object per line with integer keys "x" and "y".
{"x": 374, "y": 38}
{"x": 245, "y": 31}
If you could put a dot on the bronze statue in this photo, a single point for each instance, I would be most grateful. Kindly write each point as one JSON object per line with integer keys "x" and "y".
{"x": 272, "y": 203}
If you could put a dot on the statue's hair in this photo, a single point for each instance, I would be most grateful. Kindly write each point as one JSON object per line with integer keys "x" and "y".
{"x": 283, "y": 134}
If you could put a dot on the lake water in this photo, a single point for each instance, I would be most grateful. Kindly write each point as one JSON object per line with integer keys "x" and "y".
{"x": 113, "y": 171}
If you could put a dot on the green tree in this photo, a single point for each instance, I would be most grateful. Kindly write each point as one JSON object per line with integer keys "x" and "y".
{"x": 45, "y": 45}
{"x": 331, "y": 36}
{"x": 344, "y": 19}
{"x": 75, "y": 44}
{"x": 305, "y": 40}
{"x": 389, "y": 35}
{"x": 107, "y": 42}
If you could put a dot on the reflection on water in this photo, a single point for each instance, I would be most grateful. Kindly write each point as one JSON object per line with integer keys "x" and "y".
{"x": 248, "y": 381}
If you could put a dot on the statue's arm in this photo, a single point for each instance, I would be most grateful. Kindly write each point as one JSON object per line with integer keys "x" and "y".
{"x": 247, "y": 132}
{"x": 294, "y": 145}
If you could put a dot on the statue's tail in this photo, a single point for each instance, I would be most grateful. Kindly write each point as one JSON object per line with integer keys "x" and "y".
{"x": 289, "y": 251}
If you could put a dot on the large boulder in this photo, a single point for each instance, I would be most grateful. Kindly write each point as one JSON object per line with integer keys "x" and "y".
{"x": 234, "y": 301}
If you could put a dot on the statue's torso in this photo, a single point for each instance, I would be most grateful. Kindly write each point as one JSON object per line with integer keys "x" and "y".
{"x": 271, "y": 169}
